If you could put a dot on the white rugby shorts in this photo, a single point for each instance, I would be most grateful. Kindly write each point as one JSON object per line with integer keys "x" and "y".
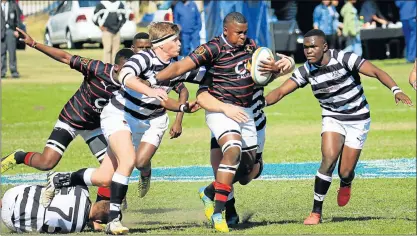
{"x": 355, "y": 132}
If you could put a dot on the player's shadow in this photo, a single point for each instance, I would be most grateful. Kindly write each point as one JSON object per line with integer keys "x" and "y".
{"x": 366, "y": 218}
{"x": 246, "y": 224}
{"x": 180, "y": 227}
{"x": 154, "y": 211}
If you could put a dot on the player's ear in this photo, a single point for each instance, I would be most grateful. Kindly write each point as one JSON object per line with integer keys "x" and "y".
{"x": 116, "y": 67}
{"x": 225, "y": 31}
{"x": 325, "y": 47}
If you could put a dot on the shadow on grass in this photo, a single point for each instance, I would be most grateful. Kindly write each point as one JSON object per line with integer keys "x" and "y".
{"x": 246, "y": 224}
{"x": 154, "y": 211}
{"x": 365, "y": 218}
{"x": 179, "y": 227}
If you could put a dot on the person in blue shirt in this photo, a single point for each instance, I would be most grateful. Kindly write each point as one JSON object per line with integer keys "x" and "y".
{"x": 324, "y": 16}
{"x": 408, "y": 19}
{"x": 186, "y": 15}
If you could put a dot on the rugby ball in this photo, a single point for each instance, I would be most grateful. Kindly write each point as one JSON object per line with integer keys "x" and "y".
{"x": 261, "y": 54}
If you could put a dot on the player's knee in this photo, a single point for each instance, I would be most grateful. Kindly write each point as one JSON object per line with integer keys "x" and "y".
{"x": 48, "y": 162}
{"x": 232, "y": 150}
{"x": 346, "y": 173}
{"x": 327, "y": 166}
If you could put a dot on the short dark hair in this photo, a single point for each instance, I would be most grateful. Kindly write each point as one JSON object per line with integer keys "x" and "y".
{"x": 141, "y": 35}
{"x": 124, "y": 53}
{"x": 315, "y": 32}
{"x": 234, "y": 17}
{"x": 102, "y": 210}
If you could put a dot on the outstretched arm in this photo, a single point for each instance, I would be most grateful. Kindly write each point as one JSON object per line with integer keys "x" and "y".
{"x": 371, "y": 70}
{"x": 277, "y": 94}
{"x": 55, "y": 53}
{"x": 175, "y": 69}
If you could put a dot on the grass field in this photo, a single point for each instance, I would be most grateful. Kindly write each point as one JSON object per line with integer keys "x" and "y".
{"x": 30, "y": 107}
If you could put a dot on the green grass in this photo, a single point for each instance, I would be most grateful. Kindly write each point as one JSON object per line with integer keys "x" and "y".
{"x": 30, "y": 107}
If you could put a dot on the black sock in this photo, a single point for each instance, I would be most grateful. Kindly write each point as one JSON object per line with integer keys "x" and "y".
{"x": 209, "y": 191}
{"x": 230, "y": 208}
{"x": 20, "y": 157}
{"x": 118, "y": 190}
{"x": 321, "y": 185}
{"x": 77, "y": 177}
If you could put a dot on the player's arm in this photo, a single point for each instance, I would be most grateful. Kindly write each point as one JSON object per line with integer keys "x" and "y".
{"x": 277, "y": 94}
{"x": 212, "y": 104}
{"x": 368, "y": 69}
{"x": 412, "y": 77}
{"x": 55, "y": 53}
{"x": 174, "y": 70}
{"x": 176, "y": 128}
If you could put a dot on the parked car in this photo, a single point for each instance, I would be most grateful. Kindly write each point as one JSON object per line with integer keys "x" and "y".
{"x": 72, "y": 23}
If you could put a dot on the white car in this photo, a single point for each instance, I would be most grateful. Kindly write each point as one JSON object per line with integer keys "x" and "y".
{"x": 72, "y": 23}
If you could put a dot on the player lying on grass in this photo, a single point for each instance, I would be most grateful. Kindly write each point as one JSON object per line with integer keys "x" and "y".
{"x": 69, "y": 212}
{"x": 335, "y": 82}
{"x": 229, "y": 81}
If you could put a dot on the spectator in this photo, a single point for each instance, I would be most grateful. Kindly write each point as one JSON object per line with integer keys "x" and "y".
{"x": 323, "y": 19}
{"x": 371, "y": 14}
{"x": 10, "y": 19}
{"x": 110, "y": 17}
{"x": 351, "y": 28}
{"x": 187, "y": 16}
{"x": 408, "y": 19}
{"x": 337, "y": 25}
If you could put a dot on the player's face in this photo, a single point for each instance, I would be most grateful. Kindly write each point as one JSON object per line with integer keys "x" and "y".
{"x": 314, "y": 48}
{"x": 141, "y": 44}
{"x": 172, "y": 48}
{"x": 236, "y": 33}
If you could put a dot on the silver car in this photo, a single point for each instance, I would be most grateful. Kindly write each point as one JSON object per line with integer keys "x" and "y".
{"x": 71, "y": 23}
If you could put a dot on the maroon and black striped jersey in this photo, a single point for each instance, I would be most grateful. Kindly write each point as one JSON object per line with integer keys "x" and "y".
{"x": 227, "y": 76}
{"x": 82, "y": 111}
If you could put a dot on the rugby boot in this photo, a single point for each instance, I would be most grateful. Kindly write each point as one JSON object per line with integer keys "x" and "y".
{"x": 116, "y": 228}
{"x": 219, "y": 222}
{"x": 208, "y": 203}
{"x": 144, "y": 185}
{"x": 49, "y": 193}
{"x": 8, "y": 162}
{"x": 313, "y": 219}
{"x": 343, "y": 196}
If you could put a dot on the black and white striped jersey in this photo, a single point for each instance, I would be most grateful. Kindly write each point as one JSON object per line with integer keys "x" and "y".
{"x": 337, "y": 86}
{"x": 145, "y": 65}
{"x": 258, "y": 102}
{"x": 67, "y": 213}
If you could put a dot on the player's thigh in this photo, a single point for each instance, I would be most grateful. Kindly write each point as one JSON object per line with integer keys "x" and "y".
{"x": 261, "y": 138}
{"x": 156, "y": 130}
{"x": 95, "y": 141}
{"x": 61, "y": 136}
{"x": 226, "y": 131}
{"x": 116, "y": 126}
{"x": 356, "y": 135}
{"x": 332, "y": 138}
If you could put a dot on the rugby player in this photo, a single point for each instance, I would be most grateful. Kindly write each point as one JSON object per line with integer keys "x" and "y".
{"x": 69, "y": 212}
{"x": 335, "y": 82}
{"x": 225, "y": 58}
{"x": 140, "y": 42}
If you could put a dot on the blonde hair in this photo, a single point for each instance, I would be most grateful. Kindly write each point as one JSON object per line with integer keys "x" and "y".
{"x": 158, "y": 30}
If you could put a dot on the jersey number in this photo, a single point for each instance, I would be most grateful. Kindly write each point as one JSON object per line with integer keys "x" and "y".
{"x": 62, "y": 214}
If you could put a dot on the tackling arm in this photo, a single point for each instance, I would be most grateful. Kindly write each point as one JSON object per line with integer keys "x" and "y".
{"x": 175, "y": 69}
{"x": 277, "y": 94}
